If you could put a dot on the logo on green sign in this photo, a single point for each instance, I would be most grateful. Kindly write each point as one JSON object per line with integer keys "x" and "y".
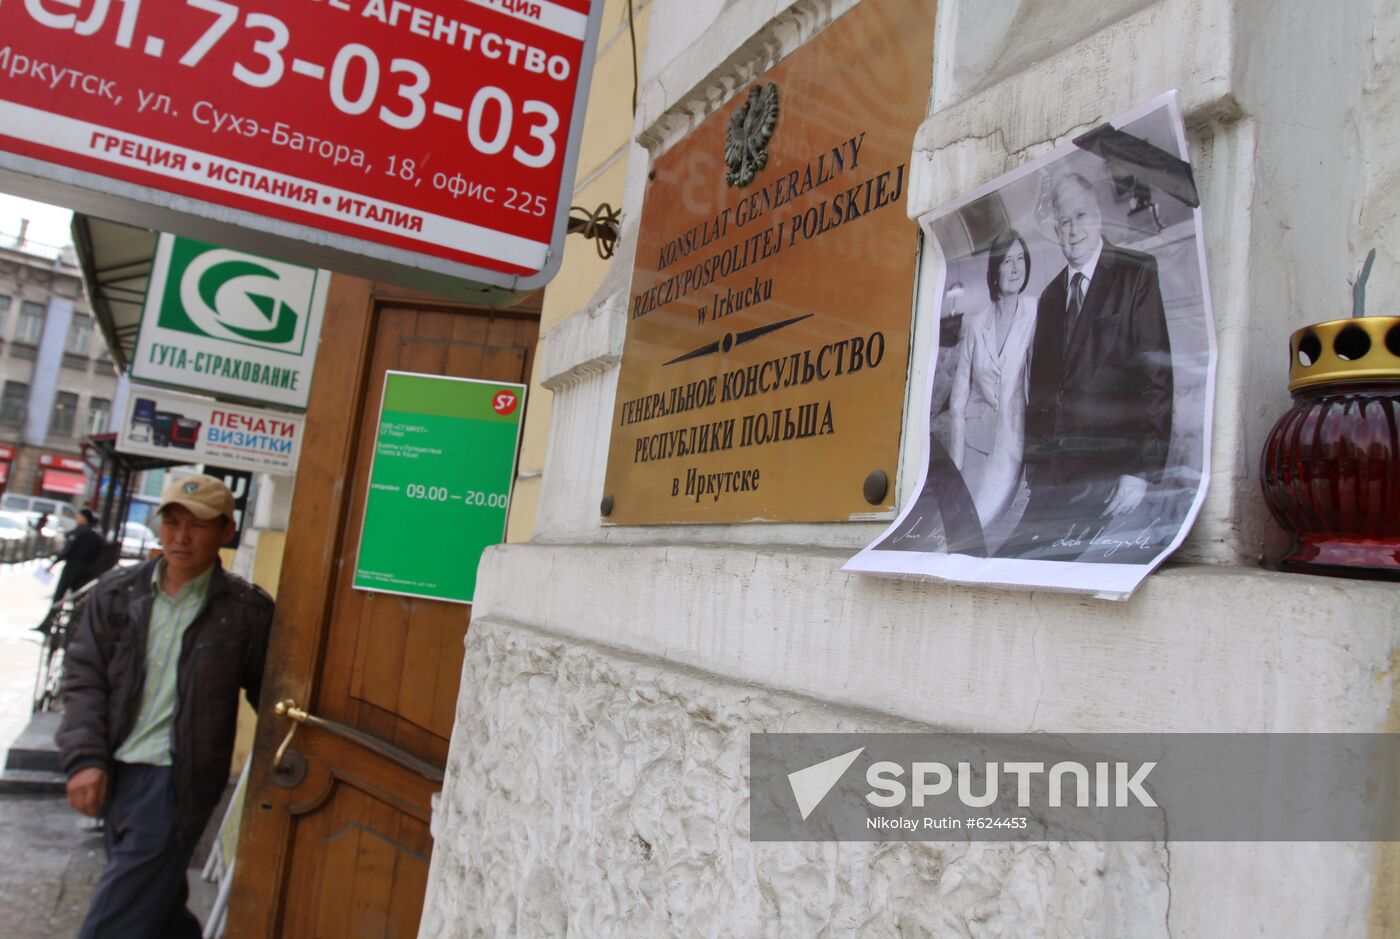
{"x": 236, "y": 297}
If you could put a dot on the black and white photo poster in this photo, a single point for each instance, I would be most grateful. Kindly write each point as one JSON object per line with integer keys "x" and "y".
{"x": 1069, "y": 405}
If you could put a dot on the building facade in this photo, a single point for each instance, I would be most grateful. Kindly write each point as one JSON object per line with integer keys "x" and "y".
{"x": 57, "y": 382}
{"x": 598, "y": 782}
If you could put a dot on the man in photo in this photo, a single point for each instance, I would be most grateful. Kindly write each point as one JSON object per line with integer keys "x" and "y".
{"x": 1099, "y": 409}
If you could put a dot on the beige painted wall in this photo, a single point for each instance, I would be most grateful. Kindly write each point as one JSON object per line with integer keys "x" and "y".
{"x": 267, "y": 567}
{"x": 602, "y": 171}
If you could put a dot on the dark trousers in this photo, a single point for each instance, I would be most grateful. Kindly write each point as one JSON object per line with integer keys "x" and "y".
{"x": 71, "y": 579}
{"x": 143, "y": 891}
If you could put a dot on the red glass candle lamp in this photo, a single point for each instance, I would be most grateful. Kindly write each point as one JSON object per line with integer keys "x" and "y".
{"x": 1331, "y": 466}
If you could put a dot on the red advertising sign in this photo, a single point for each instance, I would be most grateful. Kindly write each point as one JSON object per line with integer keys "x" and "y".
{"x": 7, "y": 453}
{"x": 446, "y": 128}
{"x": 61, "y": 462}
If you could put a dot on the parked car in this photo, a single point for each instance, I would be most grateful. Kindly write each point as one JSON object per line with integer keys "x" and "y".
{"x": 138, "y": 540}
{"x": 19, "y": 541}
{"x": 61, "y": 513}
{"x": 13, "y": 527}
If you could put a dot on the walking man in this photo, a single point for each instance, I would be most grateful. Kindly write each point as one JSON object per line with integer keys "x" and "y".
{"x": 81, "y": 554}
{"x": 150, "y": 695}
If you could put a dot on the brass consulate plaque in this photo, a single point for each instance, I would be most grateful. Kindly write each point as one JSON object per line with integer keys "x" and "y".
{"x": 767, "y": 347}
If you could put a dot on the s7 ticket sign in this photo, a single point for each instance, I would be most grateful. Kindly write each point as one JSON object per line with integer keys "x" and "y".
{"x": 440, "y": 135}
{"x": 439, "y": 483}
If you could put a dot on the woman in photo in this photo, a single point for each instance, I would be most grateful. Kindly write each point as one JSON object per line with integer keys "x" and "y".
{"x": 987, "y": 407}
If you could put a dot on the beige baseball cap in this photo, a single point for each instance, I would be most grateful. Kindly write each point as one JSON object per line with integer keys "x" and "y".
{"x": 204, "y": 496}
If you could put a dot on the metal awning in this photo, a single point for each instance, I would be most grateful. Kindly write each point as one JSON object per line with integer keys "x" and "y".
{"x": 102, "y": 448}
{"x": 116, "y": 263}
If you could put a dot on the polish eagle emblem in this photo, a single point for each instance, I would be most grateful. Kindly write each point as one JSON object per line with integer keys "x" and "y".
{"x": 750, "y": 129}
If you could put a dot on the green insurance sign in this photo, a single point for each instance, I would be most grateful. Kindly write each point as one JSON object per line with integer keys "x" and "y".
{"x": 229, "y": 323}
{"x": 439, "y": 485}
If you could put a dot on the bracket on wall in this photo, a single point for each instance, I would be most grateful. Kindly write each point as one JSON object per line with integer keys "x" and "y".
{"x": 601, "y": 224}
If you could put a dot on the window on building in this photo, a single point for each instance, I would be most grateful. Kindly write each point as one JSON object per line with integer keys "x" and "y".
{"x": 79, "y": 335}
{"x": 31, "y": 323}
{"x": 12, "y": 402}
{"x": 152, "y": 483}
{"x": 65, "y": 413}
{"x": 4, "y": 312}
{"x": 99, "y": 413}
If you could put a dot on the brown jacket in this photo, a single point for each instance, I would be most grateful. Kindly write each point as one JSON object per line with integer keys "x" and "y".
{"x": 105, "y": 671}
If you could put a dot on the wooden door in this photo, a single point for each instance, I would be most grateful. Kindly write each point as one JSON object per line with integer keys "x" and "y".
{"x": 343, "y": 852}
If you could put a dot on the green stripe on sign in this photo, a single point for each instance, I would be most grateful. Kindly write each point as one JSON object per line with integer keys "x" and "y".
{"x": 447, "y": 398}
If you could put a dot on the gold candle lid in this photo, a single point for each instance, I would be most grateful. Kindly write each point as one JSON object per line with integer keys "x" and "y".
{"x": 1365, "y": 348}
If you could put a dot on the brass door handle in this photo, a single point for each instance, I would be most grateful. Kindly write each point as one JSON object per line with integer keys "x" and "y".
{"x": 285, "y": 709}
{"x": 299, "y": 716}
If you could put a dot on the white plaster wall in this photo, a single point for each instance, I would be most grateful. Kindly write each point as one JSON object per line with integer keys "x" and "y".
{"x": 675, "y": 26}
{"x": 1378, "y": 225}
{"x": 612, "y": 673}
{"x": 273, "y": 504}
{"x": 1301, "y": 70}
{"x": 599, "y": 795}
{"x": 989, "y": 41}
{"x": 1197, "y": 649}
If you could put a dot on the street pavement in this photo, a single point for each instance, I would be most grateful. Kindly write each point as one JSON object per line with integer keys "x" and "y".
{"x": 50, "y": 856}
{"x": 48, "y": 869}
{"x": 23, "y": 603}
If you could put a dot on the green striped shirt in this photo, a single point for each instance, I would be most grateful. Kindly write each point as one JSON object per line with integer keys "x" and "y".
{"x": 150, "y": 738}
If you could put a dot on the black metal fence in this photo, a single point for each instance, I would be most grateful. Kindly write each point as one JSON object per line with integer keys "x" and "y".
{"x": 57, "y": 629}
{"x": 34, "y": 545}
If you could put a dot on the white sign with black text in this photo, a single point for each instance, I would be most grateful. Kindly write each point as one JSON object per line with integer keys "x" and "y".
{"x": 190, "y": 429}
